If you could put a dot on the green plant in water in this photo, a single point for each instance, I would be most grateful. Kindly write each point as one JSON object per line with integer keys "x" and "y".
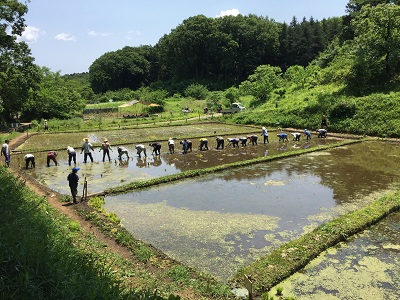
{"x": 279, "y": 290}
{"x": 266, "y": 296}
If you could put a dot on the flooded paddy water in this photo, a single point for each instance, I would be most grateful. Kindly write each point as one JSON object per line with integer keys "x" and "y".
{"x": 102, "y": 175}
{"x": 366, "y": 267}
{"x": 220, "y": 222}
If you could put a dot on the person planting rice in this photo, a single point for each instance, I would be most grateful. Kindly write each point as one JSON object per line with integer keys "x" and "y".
{"x": 234, "y": 142}
{"x": 156, "y": 148}
{"x": 220, "y": 142}
{"x": 283, "y": 137}
{"x": 203, "y": 143}
{"x": 296, "y": 136}
{"x": 253, "y": 139}
{"x": 52, "y": 156}
{"x": 141, "y": 148}
{"x": 29, "y": 158}
{"x": 71, "y": 155}
{"x": 322, "y": 133}
{"x": 171, "y": 145}
{"x": 186, "y": 145}
{"x": 122, "y": 151}
{"x": 308, "y": 134}
{"x": 243, "y": 141}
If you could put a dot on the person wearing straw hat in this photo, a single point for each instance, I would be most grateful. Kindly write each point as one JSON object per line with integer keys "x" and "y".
{"x": 105, "y": 146}
{"x": 73, "y": 180}
{"x": 265, "y": 134}
{"x": 86, "y": 147}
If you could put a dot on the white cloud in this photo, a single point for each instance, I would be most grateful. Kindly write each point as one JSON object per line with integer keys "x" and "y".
{"x": 30, "y": 34}
{"x": 132, "y": 34}
{"x": 94, "y": 33}
{"x": 65, "y": 37}
{"x": 229, "y": 12}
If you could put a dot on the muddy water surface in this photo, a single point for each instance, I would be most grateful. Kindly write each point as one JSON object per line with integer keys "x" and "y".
{"x": 102, "y": 175}
{"x": 366, "y": 267}
{"x": 223, "y": 221}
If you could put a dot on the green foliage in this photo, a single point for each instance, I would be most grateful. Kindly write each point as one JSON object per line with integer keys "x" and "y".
{"x": 54, "y": 99}
{"x": 279, "y": 290}
{"x": 232, "y": 95}
{"x": 196, "y": 91}
{"x": 96, "y": 202}
{"x": 342, "y": 110}
{"x": 18, "y": 73}
{"x": 262, "y": 83}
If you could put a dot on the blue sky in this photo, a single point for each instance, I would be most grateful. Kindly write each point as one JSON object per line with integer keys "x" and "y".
{"x": 68, "y": 35}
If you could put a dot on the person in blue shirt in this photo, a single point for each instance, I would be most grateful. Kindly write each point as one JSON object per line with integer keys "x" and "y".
{"x": 308, "y": 134}
{"x": 73, "y": 180}
{"x": 283, "y": 137}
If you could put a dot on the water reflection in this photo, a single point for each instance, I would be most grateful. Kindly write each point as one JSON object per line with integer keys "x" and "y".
{"x": 135, "y": 168}
{"x": 223, "y": 220}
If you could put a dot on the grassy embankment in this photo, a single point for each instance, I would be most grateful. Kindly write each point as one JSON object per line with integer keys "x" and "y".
{"x": 45, "y": 255}
{"x": 374, "y": 115}
{"x": 293, "y": 256}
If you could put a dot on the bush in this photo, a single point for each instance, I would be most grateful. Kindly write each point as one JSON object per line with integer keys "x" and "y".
{"x": 196, "y": 91}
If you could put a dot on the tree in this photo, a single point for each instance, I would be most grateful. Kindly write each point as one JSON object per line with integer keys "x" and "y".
{"x": 125, "y": 68}
{"x": 261, "y": 84}
{"x": 18, "y": 73}
{"x": 376, "y": 51}
{"x": 53, "y": 99}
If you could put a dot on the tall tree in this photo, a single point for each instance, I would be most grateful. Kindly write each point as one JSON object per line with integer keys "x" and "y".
{"x": 377, "y": 53}
{"x": 18, "y": 73}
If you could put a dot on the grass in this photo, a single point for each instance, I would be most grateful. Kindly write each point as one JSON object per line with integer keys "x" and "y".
{"x": 45, "y": 255}
{"x": 293, "y": 256}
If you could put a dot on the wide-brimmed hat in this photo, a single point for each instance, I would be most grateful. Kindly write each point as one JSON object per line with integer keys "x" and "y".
{"x": 263, "y": 128}
{"x": 105, "y": 141}
{"x": 86, "y": 139}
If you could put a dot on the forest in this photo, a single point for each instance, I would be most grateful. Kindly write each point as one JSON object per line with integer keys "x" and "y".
{"x": 354, "y": 57}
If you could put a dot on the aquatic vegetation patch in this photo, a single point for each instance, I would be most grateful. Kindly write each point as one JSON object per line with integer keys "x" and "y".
{"x": 291, "y": 257}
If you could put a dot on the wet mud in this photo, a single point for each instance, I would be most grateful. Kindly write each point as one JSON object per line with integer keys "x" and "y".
{"x": 223, "y": 221}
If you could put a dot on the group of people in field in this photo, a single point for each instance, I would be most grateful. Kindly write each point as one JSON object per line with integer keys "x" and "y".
{"x": 186, "y": 144}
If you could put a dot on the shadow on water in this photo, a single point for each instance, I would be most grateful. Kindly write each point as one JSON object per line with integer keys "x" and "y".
{"x": 369, "y": 260}
{"x": 223, "y": 221}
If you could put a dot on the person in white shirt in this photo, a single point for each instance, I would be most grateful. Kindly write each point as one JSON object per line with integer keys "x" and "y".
{"x": 29, "y": 158}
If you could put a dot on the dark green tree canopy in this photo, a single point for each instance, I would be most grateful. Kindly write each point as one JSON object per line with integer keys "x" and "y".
{"x": 18, "y": 73}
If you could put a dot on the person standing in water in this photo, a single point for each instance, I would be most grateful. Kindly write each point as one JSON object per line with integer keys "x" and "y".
{"x": 105, "y": 146}
{"x": 265, "y": 134}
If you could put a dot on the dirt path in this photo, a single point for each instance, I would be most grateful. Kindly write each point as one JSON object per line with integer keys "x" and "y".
{"x": 66, "y": 208}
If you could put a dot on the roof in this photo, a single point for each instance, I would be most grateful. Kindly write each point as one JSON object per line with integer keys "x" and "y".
{"x": 133, "y": 102}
